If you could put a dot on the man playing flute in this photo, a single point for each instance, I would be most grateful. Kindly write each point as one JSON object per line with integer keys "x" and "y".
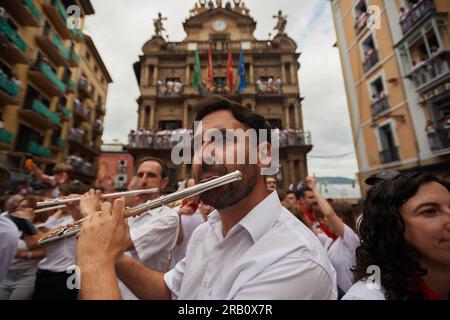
{"x": 250, "y": 247}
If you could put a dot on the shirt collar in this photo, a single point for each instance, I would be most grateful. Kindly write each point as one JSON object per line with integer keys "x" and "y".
{"x": 259, "y": 219}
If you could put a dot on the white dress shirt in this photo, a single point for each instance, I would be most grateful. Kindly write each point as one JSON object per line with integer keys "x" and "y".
{"x": 189, "y": 223}
{"x": 154, "y": 234}
{"x": 364, "y": 291}
{"x": 9, "y": 237}
{"x": 342, "y": 257}
{"x": 269, "y": 254}
{"x": 60, "y": 255}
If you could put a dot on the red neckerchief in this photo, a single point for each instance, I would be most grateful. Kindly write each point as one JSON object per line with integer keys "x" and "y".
{"x": 427, "y": 292}
{"x": 314, "y": 220}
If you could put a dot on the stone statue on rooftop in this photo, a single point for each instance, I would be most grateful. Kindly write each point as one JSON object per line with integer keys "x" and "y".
{"x": 158, "y": 23}
{"x": 281, "y": 23}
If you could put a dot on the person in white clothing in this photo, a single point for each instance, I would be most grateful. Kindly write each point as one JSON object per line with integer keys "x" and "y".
{"x": 342, "y": 251}
{"x": 155, "y": 233}
{"x": 54, "y": 271}
{"x": 9, "y": 238}
{"x": 250, "y": 248}
{"x": 405, "y": 240}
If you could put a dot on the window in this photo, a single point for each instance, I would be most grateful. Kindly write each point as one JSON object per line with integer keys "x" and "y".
{"x": 95, "y": 69}
{"x": 88, "y": 56}
{"x": 361, "y": 16}
{"x": 287, "y": 70}
{"x": 389, "y": 149}
{"x": 378, "y": 96}
{"x": 370, "y": 53}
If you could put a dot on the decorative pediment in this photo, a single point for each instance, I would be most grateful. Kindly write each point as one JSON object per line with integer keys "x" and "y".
{"x": 219, "y": 20}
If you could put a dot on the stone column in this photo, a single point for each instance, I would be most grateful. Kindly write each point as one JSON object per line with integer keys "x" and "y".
{"x": 141, "y": 117}
{"x": 286, "y": 117}
{"x": 152, "y": 117}
{"x": 291, "y": 171}
{"x": 297, "y": 116}
{"x": 188, "y": 75}
{"x": 155, "y": 75}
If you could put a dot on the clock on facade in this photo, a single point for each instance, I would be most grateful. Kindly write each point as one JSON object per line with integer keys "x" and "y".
{"x": 219, "y": 25}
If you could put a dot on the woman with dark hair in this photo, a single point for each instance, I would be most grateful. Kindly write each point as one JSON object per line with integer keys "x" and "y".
{"x": 405, "y": 239}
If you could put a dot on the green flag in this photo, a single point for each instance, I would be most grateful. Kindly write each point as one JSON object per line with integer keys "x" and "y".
{"x": 197, "y": 71}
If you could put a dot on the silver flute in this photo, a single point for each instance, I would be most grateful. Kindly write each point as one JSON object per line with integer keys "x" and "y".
{"x": 211, "y": 183}
{"x": 60, "y": 201}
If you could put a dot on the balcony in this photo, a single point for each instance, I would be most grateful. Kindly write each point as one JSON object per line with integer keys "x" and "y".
{"x": 379, "y": 105}
{"x": 439, "y": 139}
{"x": 71, "y": 86}
{"x": 6, "y": 138}
{"x": 9, "y": 91}
{"x": 53, "y": 47}
{"x": 56, "y": 12}
{"x": 389, "y": 155}
{"x": 270, "y": 86}
{"x": 426, "y": 74}
{"x": 84, "y": 88}
{"x": 100, "y": 108}
{"x": 38, "y": 150}
{"x": 57, "y": 144}
{"x": 371, "y": 59}
{"x": 170, "y": 89}
{"x": 64, "y": 112}
{"x": 81, "y": 167}
{"x": 361, "y": 23}
{"x": 77, "y": 139}
{"x": 43, "y": 110}
{"x": 24, "y": 12}
{"x": 412, "y": 18}
{"x": 78, "y": 34}
{"x": 81, "y": 111}
{"x": 74, "y": 59}
{"x": 44, "y": 77}
{"x": 13, "y": 48}
{"x": 97, "y": 128}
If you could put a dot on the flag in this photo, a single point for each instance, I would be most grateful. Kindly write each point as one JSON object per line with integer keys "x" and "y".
{"x": 230, "y": 72}
{"x": 197, "y": 71}
{"x": 210, "y": 76}
{"x": 242, "y": 78}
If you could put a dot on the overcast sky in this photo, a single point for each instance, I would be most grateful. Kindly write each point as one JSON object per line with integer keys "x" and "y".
{"x": 120, "y": 28}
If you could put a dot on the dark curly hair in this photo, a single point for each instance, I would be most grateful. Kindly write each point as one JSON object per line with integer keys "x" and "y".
{"x": 382, "y": 230}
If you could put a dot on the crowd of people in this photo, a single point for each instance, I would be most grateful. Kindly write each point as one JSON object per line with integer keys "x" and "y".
{"x": 162, "y": 139}
{"x": 269, "y": 85}
{"x": 171, "y": 88}
{"x": 245, "y": 240}
{"x": 429, "y": 67}
{"x": 413, "y": 12}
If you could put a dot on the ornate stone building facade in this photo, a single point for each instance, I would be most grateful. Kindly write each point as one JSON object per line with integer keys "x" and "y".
{"x": 166, "y": 73}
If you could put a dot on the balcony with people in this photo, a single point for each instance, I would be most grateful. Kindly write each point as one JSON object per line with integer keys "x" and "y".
{"x": 361, "y": 17}
{"x": 173, "y": 87}
{"x": 80, "y": 165}
{"x": 162, "y": 139}
{"x": 269, "y": 85}
{"x": 79, "y": 139}
{"x": 218, "y": 86}
{"x": 430, "y": 67}
{"x": 81, "y": 110}
{"x": 371, "y": 57}
{"x": 97, "y": 128}
{"x": 380, "y": 100}
{"x": 85, "y": 88}
{"x": 414, "y": 12}
{"x": 438, "y": 133}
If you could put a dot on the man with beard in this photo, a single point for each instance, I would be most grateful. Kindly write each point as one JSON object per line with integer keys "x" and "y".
{"x": 153, "y": 234}
{"x": 250, "y": 248}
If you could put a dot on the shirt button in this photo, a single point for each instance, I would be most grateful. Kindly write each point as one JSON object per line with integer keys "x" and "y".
{"x": 205, "y": 284}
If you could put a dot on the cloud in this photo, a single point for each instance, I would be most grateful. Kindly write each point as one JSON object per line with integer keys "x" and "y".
{"x": 120, "y": 28}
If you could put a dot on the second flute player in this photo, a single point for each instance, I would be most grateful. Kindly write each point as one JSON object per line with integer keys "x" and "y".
{"x": 250, "y": 247}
